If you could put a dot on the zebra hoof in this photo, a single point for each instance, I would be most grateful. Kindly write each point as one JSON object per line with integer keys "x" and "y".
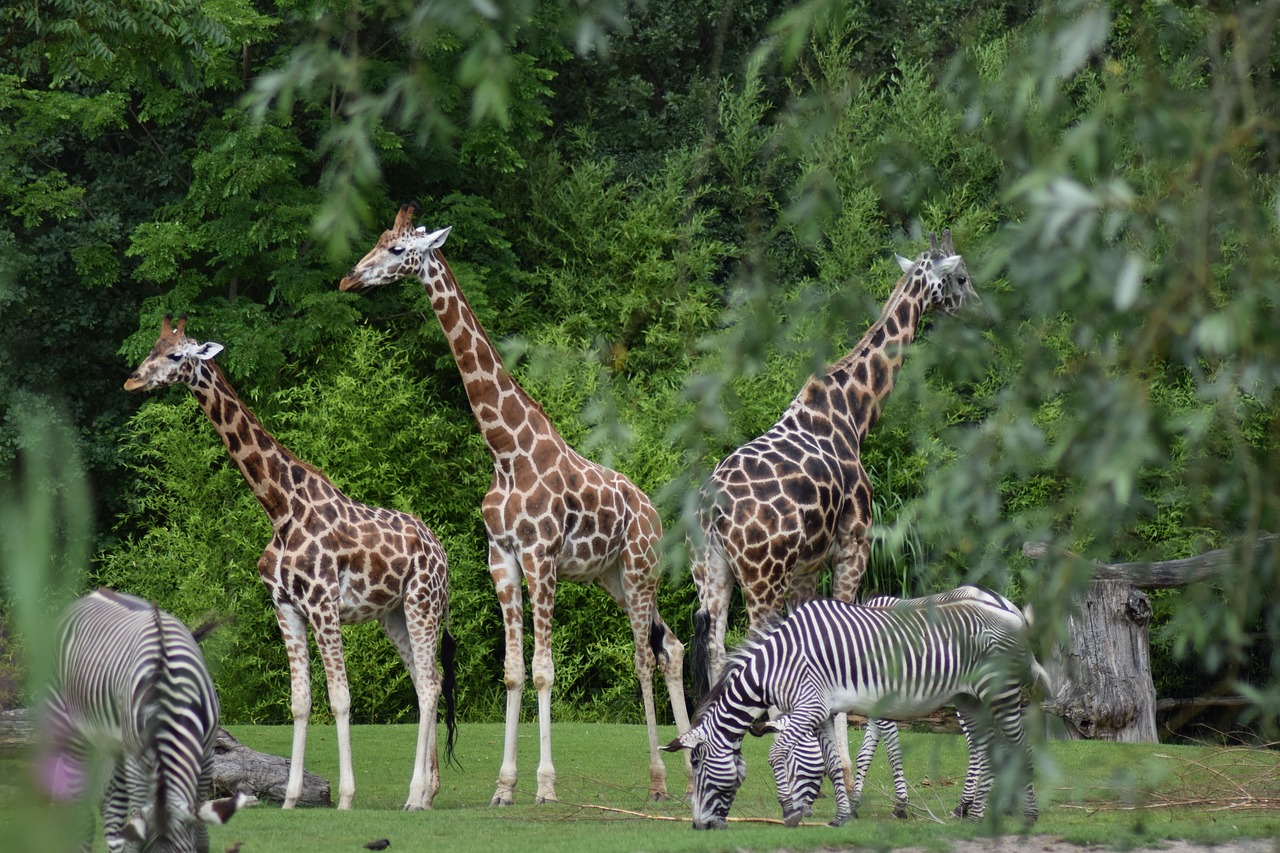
{"x": 900, "y": 812}
{"x": 840, "y": 821}
{"x": 792, "y": 819}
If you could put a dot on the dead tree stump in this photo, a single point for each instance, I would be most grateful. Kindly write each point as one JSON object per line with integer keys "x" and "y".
{"x": 1102, "y": 677}
{"x": 1103, "y": 674}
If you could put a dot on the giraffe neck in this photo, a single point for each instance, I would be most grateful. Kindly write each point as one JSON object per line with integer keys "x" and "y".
{"x": 851, "y": 393}
{"x": 271, "y": 470}
{"x": 508, "y": 418}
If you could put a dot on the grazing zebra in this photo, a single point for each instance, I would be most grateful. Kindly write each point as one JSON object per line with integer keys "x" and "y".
{"x": 804, "y": 762}
{"x": 132, "y": 716}
{"x": 827, "y": 657}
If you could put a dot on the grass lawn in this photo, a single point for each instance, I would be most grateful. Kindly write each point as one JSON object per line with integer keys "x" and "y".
{"x": 1122, "y": 795}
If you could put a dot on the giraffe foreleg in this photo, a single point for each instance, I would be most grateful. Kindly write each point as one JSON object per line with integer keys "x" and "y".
{"x": 540, "y": 577}
{"x": 506, "y": 583}
{"x": 293, "y": 628}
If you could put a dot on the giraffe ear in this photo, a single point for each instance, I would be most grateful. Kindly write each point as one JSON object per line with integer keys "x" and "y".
{"x": 436, "y": 239}
{"x": 207, "y": 351}
{"x": 947, "y": 265}
{"x": 905, "y": 263}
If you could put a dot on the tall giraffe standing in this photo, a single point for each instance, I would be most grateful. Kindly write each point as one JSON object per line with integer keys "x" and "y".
{"x": 331, "y": 561}
{"x": 550, "y": 514}
{"x": 775, "y": 511}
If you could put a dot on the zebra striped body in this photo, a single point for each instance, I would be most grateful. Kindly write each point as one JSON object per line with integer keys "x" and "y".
{"x": 829, "y": 657}
{"x": 804, "y": 762}
{"x": 132, "y": 716}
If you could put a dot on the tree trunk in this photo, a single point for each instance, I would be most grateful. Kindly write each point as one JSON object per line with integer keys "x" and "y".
{"x": 1103, "y": 676}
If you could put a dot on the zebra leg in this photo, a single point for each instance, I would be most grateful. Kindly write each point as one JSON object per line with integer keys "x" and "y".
{"x": 870, "y": 738}
{"x": 970, "y": 789}
{"x": 792, "y": 813}
{"x": 1010, "y": 722}
{"x": 115, "y": 812}
{"x": 893, "y": 751}
{"x": 830, "y": 738}
{"x": 979, "y": 778}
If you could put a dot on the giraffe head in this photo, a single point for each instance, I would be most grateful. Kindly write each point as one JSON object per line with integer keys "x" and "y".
{"x": 402, "y": 251}
{"x": 947, "y": 283}
{"x": 171, "y": 360}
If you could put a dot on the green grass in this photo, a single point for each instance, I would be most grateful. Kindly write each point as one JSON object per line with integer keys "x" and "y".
{"x": 1122, "y": 795}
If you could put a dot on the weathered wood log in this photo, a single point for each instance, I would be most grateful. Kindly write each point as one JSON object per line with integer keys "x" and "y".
{"x": 1103, "y": 675}
{"x": 236, "y": 767}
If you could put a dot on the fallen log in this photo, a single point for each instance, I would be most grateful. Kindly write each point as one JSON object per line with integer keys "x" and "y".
{"x": 236, "y": 767}
{"x": 239, "y": 769}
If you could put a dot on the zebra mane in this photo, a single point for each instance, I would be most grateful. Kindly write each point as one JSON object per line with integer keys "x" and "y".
{"x": 736, "y": 659}
{"x": 159, "y": 820}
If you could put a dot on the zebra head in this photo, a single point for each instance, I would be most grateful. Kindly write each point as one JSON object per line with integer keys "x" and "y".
{"x": 718, "y": 772}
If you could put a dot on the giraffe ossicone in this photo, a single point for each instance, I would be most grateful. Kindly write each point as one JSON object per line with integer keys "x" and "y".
{"x": 331, "y": 561}
{"x": 550, "y": 514}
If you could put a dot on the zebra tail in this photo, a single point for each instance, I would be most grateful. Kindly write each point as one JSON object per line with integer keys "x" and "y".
{"x": 209, "y": 626}
{"x": 448, "y": 688}
{"x": 699, "y": 655}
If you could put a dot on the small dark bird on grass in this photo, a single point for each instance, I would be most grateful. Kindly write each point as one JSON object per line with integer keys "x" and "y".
{"x": 235, "y": 848}
{"x": 380, "y": 844}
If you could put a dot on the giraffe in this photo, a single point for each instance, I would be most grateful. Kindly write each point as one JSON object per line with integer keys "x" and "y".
{"x": 775, "y": 511}
{"x": 331, "y": 561}
{"x": 550, "y": 514}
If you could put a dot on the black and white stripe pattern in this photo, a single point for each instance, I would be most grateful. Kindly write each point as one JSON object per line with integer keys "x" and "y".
{"x": 131, "y": 716}
{"x": 889, "y": 662}
{"x": 804, "y": 762}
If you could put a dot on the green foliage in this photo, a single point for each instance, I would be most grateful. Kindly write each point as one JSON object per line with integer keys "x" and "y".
{"x": 666, "y": 216}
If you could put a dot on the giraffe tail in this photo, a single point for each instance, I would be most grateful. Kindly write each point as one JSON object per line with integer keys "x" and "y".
{"x": 699, "y": 655}
{"x": 657, "y": 634}
{"x": 449, "y": 689}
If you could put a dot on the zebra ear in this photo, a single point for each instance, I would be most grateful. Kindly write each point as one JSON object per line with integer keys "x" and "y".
{"x": 135, "y": 830}
{"x": 220, "y": 811}
{"x": 764, "y": 727}
{"x": 688, "y": 740}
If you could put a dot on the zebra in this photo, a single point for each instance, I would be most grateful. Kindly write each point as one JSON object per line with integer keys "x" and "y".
{"x": 824, "y": 658}
{"x": 131, "y": 716}
{"x": 804, "y": 762}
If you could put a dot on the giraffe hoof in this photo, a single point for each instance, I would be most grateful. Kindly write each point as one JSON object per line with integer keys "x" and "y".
{"x": 658, "y": 796}
{"x": 501, "y": 799}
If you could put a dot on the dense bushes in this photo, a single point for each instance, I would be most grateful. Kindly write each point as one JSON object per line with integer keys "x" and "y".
{"x": 662, "y": 280}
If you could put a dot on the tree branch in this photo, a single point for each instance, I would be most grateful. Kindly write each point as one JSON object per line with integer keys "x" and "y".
{"x": 1167, "y": 573}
